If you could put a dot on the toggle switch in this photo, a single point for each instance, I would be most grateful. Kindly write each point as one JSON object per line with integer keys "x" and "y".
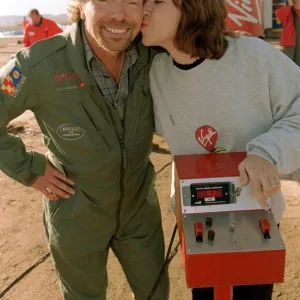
{"x": 199, "y": 231}
{"x": 208, "y": 222}
{"x": 211, "y": 235}
{"x": 265, "y": 228}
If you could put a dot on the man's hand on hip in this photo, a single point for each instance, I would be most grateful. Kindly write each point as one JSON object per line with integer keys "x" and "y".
{"x": 262, "y": 175}
{"x": 54, "y": 184}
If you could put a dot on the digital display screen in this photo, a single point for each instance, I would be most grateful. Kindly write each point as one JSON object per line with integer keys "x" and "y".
{"x": 209, "y": 194}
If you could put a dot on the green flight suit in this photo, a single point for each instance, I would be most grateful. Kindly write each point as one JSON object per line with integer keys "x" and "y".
{"x": 115, "y": 205}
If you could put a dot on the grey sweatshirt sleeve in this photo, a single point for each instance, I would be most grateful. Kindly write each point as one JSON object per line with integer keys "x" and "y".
{"x": 281, "y": 144}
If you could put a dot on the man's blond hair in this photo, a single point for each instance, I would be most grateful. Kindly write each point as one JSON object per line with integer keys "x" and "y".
{"x": 74, "y": 10}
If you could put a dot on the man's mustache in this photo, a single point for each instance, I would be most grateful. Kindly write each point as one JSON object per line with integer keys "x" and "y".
{"x": 123, "y": 24}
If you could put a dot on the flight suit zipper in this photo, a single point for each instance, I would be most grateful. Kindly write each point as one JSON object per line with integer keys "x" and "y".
{"x": 123, "y": 167}
{"x": 124, "y": 157}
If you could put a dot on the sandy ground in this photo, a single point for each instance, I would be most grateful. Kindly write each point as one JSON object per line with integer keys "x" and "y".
{"x": 22, "y": 241}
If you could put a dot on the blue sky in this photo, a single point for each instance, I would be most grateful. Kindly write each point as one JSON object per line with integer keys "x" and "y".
{"x": 21, "y": 7}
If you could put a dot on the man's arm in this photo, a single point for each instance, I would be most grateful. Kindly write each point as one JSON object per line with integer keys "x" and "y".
{"x": 17, "y": 95}
{"x": 283, "y": 13}
{"x": 26, "y": 41}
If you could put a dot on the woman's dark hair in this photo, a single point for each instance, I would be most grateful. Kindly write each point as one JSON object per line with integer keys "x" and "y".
{"x": 201, "y": 29}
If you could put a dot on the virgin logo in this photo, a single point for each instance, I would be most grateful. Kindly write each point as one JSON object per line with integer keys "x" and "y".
{"x": 244, "y": 10}
{"x": 60, "y": 77}
{"x": 205, "y": 139}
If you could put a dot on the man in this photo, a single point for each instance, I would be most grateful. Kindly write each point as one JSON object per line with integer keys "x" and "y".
{"x": 290, "y": 36}
{"x": 40, "y": 28}
{"x": 89, "y": 91}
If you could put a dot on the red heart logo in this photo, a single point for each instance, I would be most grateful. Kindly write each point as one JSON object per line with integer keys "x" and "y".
{"x": 207, "y": 137}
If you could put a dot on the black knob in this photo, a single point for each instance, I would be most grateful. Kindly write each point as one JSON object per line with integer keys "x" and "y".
{"x": 199, "y": 238}
{"x": 211, "y": 235}
{"x": 208, "y": 222}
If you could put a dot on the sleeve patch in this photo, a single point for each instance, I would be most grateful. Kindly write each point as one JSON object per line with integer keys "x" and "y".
{"x": 13, "y": 82}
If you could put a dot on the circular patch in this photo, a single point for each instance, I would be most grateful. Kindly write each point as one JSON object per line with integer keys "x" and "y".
{"x": 16, "y": 74}
{"x": 70, "y": 132}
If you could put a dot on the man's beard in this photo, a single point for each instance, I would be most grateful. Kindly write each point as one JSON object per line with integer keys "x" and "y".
{"x": 117, "y": 44}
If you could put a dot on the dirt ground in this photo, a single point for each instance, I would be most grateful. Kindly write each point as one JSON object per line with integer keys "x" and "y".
{"x": 22, "y": 240}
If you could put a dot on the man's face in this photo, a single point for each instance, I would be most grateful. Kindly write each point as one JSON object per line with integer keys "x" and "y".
{"x": 35, "y": 18}
{"x": 113, "y": 24}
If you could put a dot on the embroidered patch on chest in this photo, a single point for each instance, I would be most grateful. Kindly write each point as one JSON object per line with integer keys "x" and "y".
{"x": 67, "y": 81}
{"x": 70, "y": 132}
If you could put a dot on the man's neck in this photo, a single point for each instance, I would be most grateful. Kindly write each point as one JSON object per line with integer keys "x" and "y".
{"x": 112, "y": 61}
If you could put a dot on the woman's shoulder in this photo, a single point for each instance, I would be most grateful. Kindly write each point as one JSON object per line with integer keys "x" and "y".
{"x": 160, "y": 64}
{"x": 256, "y": 53}
{"x": 161, "y": 58}
{"x": 250, "y": 46}
{"x": 160, "y": 72}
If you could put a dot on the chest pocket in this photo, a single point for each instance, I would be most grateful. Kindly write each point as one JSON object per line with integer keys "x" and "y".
{"x": 93, "y": 125}
{"x": 74, "y": 121}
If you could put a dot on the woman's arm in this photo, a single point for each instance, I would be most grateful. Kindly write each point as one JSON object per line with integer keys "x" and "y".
{"x": 282, "y": 141}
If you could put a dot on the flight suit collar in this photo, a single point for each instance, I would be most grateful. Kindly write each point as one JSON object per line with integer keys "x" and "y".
{"x": 76, "y": 55}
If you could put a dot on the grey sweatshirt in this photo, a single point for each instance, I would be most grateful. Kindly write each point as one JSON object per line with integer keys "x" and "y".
{"x": 251, "y": 96}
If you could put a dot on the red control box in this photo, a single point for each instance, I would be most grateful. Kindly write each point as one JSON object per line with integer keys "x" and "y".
{"x": 224, "y": 247}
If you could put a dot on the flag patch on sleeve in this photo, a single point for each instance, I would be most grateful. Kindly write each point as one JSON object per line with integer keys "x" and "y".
{"x": 13, "y": 82}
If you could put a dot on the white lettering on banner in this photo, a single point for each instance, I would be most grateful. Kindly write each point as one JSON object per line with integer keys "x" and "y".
{"x": 245, "y": 7}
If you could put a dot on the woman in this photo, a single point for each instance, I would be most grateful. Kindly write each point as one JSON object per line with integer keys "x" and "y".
{"x": 290, "y": 37}
{"x": 245, "y": 89}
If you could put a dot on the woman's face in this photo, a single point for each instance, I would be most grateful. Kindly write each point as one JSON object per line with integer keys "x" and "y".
{"x": 161, "y": 20}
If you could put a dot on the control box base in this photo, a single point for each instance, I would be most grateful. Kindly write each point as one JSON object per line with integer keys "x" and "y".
{"x": 238, "y": 254}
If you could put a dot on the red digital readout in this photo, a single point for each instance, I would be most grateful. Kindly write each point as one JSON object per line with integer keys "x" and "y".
{"x": 209, "y": 193}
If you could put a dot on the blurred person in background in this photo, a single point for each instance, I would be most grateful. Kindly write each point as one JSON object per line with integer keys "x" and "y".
{"x": 39, "y": 28}
{"x": 290, "y": 36}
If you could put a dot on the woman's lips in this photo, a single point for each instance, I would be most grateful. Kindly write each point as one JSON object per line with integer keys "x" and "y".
{"x": 144, "y": 25}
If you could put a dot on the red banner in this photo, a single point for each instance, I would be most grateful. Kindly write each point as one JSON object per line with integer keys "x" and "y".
{"x": 245, "y": 15}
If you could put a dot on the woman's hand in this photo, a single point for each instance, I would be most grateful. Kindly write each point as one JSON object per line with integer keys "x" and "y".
{"x": 262, "y": 175}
